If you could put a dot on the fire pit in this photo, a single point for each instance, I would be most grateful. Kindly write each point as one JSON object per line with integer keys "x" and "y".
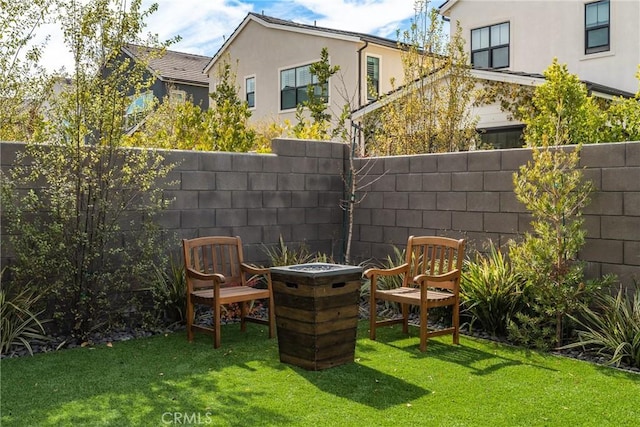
{"x": 316, "y": 307}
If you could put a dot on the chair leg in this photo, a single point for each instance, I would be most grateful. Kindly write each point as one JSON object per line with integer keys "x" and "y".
{"x": 272, "y": 318}
{"x": 405, "y": 318}
{"x": 424, "y": 316}
{"x": 217, "y": 318}
{"x": 190, "y": 315}
{"x": 456, "y": 323}
{"x": 373, "y": 312}
{"x": 243, "y": 316}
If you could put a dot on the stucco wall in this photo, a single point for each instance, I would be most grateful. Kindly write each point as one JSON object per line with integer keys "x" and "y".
{"x": 541, "y": 30}
{"x": 296, "y": 193}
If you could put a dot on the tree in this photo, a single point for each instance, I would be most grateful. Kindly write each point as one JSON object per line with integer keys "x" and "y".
{"x": 227, "y": 121}
{"x": 316, "y": 102}
{"x": 87, "y": 237}
{"x": 562, "y": 110}
{"x": 23, "y": 83}
{"x": 623, "y": 118}
{"x": 172, "y": 124}
{"x": 430, "y": 112}
{"x": 183, "y": 125}
{"x": 552, "y": 189}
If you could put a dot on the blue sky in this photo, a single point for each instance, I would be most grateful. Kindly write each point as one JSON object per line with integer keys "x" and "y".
{"x": 204, "y": 24}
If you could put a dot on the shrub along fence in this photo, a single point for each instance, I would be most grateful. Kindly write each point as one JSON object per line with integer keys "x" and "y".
{"x": 297, "y": 193}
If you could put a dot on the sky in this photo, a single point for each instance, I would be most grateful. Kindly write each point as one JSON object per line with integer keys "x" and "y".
{"x": 204, "y": 24}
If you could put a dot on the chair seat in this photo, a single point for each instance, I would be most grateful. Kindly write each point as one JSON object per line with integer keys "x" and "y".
{"x": 232, "y": 294}
{"x": 412, "y": 295}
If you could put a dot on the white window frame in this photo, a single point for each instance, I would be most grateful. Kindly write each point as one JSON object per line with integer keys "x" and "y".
{"x": 379, "y": 58}
{"x": 254, "y": 92}
{"x": 297, "y": 88}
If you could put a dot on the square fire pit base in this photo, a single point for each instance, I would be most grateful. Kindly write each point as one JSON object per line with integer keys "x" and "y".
{"x": 316, "y": 308}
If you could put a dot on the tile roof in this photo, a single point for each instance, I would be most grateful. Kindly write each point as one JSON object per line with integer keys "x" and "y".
{"x": 174, "y": 66}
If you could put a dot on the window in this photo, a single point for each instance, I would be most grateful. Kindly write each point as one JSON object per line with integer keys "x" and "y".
{"x": 510, "y": 137}
{"x": 138, "y": 108}
{"x": 250, "y": 90}
{"x": 490, "y": 46}
{"x": 596, "y": 24}
{"x": 293, "y": 86}
{"x": 373, "y": 77}
{"x": 177, "y": 95}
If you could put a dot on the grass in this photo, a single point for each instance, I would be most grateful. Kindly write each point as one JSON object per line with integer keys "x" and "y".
{"x": 165, "y": 380}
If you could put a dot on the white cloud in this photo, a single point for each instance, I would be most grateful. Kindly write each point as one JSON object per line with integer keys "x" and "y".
{"x": 204, "y": 24}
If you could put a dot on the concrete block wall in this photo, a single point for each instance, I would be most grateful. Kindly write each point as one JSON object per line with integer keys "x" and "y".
{"x": 470, "y": 195}
{"x": 296, "y": 192}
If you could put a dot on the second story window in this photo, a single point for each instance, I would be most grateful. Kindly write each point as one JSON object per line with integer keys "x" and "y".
{"x": 490, "y": 46}
{"x": 596, "y": 24}
{"x": 293, "y": 86}
{"x": 250, "y": 90}
{"x": 373, "y": 77}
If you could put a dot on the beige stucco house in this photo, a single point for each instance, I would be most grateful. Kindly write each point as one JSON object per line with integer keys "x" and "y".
{"x": 514, "y": 41}
{"x": 271, "y": 59}
{"x": 598, "y": 40}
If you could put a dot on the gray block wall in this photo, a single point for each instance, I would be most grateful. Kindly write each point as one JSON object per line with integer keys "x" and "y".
{"x": 470, "y": 195}
{"x": 296, "y": 193}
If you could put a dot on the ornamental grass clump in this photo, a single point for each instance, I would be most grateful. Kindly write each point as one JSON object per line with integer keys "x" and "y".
{"x": 20, "y": 321}
{"x": 611, "y": 328}
{"x": 491, "y": 291}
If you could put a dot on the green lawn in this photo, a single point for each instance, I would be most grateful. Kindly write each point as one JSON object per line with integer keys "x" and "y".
{"x": 165, "y": 380}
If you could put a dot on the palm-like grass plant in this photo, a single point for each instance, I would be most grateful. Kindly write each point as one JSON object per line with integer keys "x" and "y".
{"x": 491, "y": 291}
{"x": 20, "y": 325}
{"x": 611, "y": 328}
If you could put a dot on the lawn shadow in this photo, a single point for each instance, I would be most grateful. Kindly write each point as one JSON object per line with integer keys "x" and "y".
{"x": 152, "y": 381}
{"x": 364, "y": 385}
{"x": 478, "y": 362}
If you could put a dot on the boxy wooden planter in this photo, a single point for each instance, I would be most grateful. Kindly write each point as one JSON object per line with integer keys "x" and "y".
{"x": 316, "y": 307}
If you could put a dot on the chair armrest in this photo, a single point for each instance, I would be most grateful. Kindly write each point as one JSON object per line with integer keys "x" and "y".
{"x": 247, "y": 268}
{"x": 386, "y": 271}
{"x": 216, "y": 277}
{"x": 446, "y": 277}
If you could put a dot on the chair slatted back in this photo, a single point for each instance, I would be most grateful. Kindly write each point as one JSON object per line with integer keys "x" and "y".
{"x": 221, "y": 255}
{"x": 433, "y": 256}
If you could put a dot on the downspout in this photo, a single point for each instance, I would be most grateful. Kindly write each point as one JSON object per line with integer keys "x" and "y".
{"x": 366, "y": 43}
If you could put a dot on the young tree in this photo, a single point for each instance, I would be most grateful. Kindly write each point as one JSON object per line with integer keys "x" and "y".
{"x": 316, "y": 102}
{"x": 87, "y": 236}
{"x": 562, "y": 110}
{"x": 430, "y": 111}
{"x": 552, "y": 188}
{"x": 226, "y": 122}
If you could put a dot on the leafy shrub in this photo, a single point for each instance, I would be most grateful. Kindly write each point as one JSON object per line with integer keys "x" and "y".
{"x": 491, "y": 291}
{"x": 19, "y": 322}
{"x": 611, "y": 328}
